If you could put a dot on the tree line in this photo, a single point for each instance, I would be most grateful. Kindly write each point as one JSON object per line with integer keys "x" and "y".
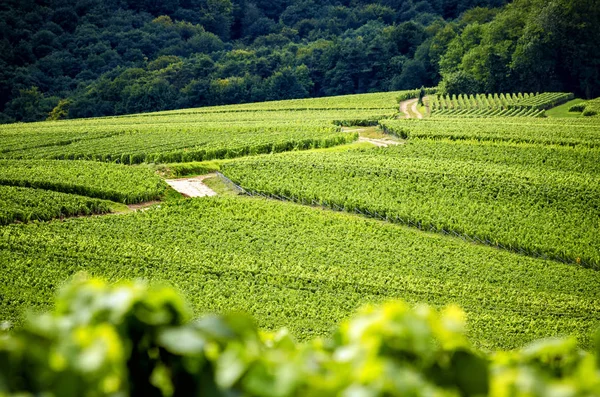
{"x": 63, "y": 59}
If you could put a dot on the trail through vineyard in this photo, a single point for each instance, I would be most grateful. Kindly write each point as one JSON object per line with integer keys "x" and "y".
{"x": 192, "y": 187}
{"x": 410, "y": 110}
{"x": 374, "y": 136}
{"x": 379, "y": 142}
{"x": 415, "y": 110}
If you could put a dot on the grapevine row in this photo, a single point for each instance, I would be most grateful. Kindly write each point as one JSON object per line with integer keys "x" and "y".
{"x": 495, "y": 105}
{"x": 527, "y": 208}
{"x": 18, "y": 204}
{"x": 567, "y": 132}
{"x": 105, "y": 181}
{"x": 301, "y": 268}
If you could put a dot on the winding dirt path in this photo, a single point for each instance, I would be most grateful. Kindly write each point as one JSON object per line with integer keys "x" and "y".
{"x": 404, "y": 105}
{"x": 192, "y": 187}
{"x": 379, "y": 142}
{"x": 414, "y": 108}
{"x": 410, "y": 109}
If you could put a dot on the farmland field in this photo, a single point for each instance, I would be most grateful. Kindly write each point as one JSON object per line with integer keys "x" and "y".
{"x": 523, "y": 192}
{"x": 302, "y": 268}
{"x": 537, "y": 199}
{"x": 503, "y": 105}
{"x": 551, "y": 131}
{"x": 199, "y": 134}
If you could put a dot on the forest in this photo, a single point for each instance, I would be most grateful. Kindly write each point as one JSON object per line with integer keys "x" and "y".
{"x": 62, "y": 59}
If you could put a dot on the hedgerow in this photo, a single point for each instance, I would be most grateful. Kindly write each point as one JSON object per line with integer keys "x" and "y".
{"x": 589, "y": 108}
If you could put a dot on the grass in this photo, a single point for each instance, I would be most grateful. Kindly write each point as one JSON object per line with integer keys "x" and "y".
{"x": 563, "y": 110}
{"x": 219, "y": 186}
{"x": 119, "y": 208}
{"x": 372, "y": 133}
{"x": 171, "y": 195}
{"x": 411, "y": 114}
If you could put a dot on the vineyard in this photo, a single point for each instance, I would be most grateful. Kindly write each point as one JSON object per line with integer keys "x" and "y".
{"x": 528, "y": 207}
{"x": 180, "y": 139}
{"x": 566, "y": 132}
{"x": 105, "y": 181}
{"x": 199, "y": 134}
{"x": 18, "y": 204}
{"x": 495, "y": 105}
{"x": 382, "y": 101}
{"x": 496, "y": 214}
{"x": 301, "y": 268}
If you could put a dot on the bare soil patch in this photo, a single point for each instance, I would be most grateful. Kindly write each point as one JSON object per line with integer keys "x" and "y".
{"x": 192, "y": 187}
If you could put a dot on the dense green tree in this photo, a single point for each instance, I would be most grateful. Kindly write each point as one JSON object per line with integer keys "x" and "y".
{"x": 117, "y": 56}
{"x": 531, "y": 45}
{"x": 30, "y": 105}
{"x": 413, "y": 74}
{"x": 289, "y": 83}
{"x": 60, "y": 111}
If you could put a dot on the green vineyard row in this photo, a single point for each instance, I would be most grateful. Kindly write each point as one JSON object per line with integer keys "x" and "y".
{"x": 200, "y": 134}
{"x": 104, "y": 181}
{"x": 530, "y": 208}
{"x": 183, "y": 142}
{"x": 301, "y": 268}
{"x": 19, "y": 204}
{"x": 568, "y": 132}
{"x": 495, "y": 105}
{"x": 387, "y": 101}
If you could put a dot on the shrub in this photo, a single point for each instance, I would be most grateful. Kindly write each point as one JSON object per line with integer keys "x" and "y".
{"x": 579, "y": 107}
{"x": 129, "y": 339}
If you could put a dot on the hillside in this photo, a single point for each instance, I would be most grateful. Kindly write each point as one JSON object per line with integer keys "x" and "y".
{"x": 496, "y": 213}
{"x": 284, "y": 198}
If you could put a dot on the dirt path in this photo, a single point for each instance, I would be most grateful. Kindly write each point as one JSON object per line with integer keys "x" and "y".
{"x": 192, "y": 187}
{"x": 375, "y": 136}
{"x": 410, "y": 109}
{"x": 379, "y": 142}
{"x": 404, "y": 105}
{"x": 142, "y": 206}
{"x": 414, "y": 108}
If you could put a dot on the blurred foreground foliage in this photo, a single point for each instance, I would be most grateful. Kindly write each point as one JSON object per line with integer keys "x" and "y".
{"x": 131, "y": 339}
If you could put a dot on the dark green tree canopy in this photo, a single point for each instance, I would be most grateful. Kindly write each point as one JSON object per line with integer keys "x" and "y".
{"x": 119, "y": 56}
